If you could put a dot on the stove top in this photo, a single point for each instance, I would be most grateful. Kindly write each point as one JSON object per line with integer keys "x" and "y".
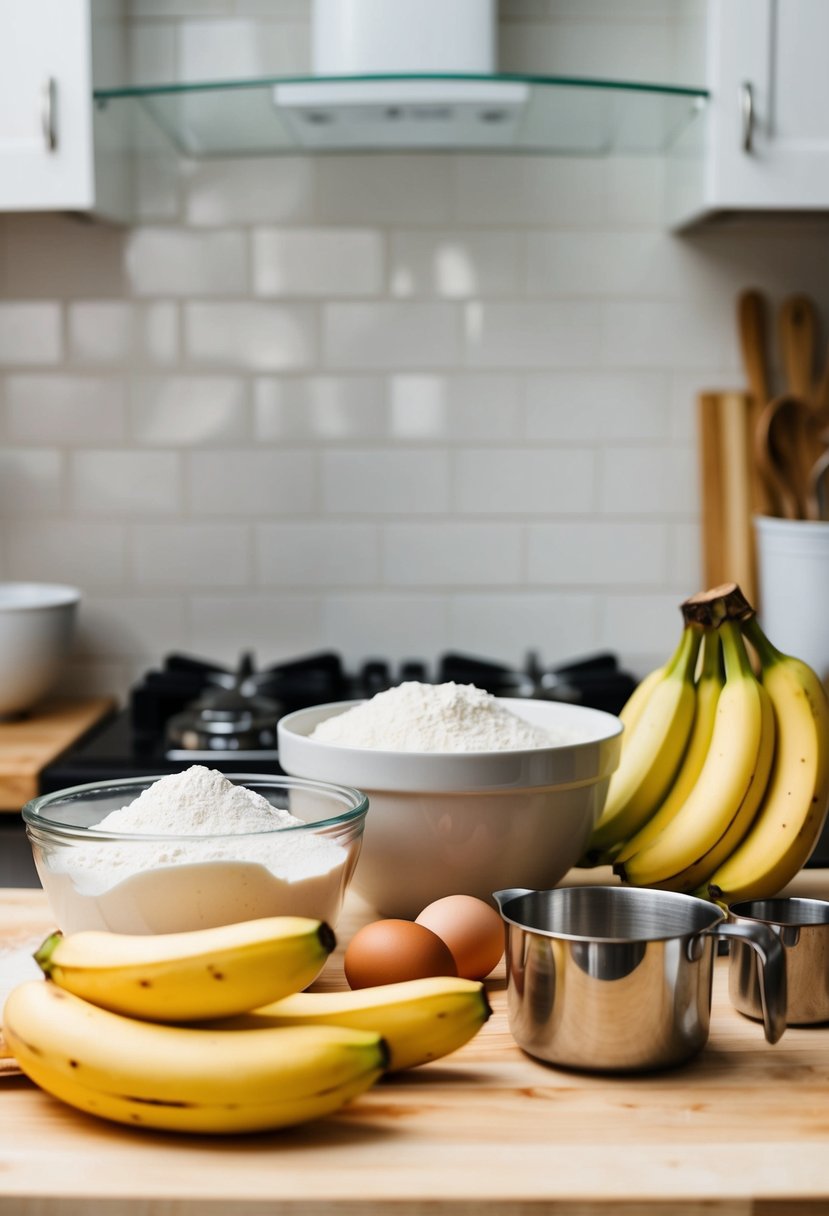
{"x": 191, "y": 710}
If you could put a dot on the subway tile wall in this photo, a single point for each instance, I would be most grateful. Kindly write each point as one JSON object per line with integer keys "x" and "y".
{"x": 391, "y": 405}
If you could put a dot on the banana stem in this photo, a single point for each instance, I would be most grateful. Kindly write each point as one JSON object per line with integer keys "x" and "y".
{"x": 684, "y": 659}
{"x": 737, "y": 663}
{"x": 711, "y": 662}
{"x": 767, "y": 652}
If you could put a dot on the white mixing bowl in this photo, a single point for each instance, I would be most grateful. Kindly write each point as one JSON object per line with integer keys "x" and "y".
{"x": 466, "y": 822}
{"x": 36, "y": 627}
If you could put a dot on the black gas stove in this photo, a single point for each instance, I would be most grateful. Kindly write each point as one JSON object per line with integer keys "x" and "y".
{"x": 192, "y": 711}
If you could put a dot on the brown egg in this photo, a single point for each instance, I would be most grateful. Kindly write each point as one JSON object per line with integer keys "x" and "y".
{"x": 391, "y": 951}
{"x": 473, "y": 931}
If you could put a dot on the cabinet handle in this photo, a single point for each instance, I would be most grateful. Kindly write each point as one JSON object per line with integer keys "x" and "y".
{"x": 47, "y": 113}
{"x": 747, "y": 116}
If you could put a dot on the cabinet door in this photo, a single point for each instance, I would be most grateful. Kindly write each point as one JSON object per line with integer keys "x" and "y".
{"x": 46, "y": 156}
{"x": 779, "y": 49}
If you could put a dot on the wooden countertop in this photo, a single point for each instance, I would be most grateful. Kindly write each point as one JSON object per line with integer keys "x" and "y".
{"x": 28, "y": 744}
{"x": 744, "y": 1128}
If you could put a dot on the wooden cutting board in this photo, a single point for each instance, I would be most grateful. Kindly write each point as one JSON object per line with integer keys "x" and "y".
{"x": 726, "y": 479}
{"x": 28, "y": 744}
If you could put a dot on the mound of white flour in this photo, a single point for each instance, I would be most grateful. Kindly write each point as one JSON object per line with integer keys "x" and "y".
{"x": 240, "y": 868}
{"x": 416, "y": 717}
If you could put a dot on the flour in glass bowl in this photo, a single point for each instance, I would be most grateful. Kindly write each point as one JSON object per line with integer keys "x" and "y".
{"x": 174, "y": 881}
{"x": 414, "y": 717}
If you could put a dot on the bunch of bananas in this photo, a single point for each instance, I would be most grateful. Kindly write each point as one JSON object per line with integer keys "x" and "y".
{"x": 210, "y": 1031}
{"x": 722, "y": 787}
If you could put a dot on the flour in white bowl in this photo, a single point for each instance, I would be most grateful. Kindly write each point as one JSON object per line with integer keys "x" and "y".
{"x": 175, "y": 881}
{"x": 414, "y": 717}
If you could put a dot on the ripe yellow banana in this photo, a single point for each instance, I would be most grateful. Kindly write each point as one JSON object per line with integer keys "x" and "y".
{"x": 650, "y": 761}
{"x": 793, "y": 811}
{"x": 632, "y": 710}
{"x": 180, "y": 977}
{"x": 719, "y": 810}
{"x": 182, "y": 1079}
{"x": 420, "y": 1020}
{"x": 709, "y": 686}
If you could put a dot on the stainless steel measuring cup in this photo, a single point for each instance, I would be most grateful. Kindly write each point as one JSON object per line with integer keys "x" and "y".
{"x": 802, "y": 926}
{"x": 618, "y": 979}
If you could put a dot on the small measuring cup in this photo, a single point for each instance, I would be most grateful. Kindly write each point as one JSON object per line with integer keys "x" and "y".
{"x": 802, "y": 926}
{"x": 618, "y": 979}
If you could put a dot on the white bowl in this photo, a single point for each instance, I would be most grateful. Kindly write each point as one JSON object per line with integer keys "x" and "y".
{"x": 466, "y": 822}
{"x": 36, "y": 627}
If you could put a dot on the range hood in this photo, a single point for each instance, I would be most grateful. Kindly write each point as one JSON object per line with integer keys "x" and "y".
{"x": 413, "y": 73}
{"x": 401, "y": 75}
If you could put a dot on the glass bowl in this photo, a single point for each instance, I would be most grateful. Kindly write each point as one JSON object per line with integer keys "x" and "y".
{"x": 142, "y": 883}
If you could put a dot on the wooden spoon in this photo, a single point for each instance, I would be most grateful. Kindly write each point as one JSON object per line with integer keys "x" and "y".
{"x": 751, "y": 320}
{"x": 819, "y": 488}
{"x": 751, "y": 324}
{"x": 797, "y": 325}
{"x": 822, "y": 395}
{"x": 787, "y": 445}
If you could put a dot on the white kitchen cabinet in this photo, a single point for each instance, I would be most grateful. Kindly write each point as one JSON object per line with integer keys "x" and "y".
{"x": 767, "y": 137}
{"x": 47, "y": 73}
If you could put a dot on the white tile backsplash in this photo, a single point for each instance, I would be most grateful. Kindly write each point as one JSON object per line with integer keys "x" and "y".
{"x": 175, "y": 262}
{"x": 188, "y": 411}
{"x": 329, "y": 409}
{"x": 250, "y": 483}
{"x": 119, "y": 334}
{"x": 256, "y": 337}
{"x": 86, "y": 553}
{"x": 248, "y": 191}
{"x": 525, "y": 481}
{"x": 461, "y": 408}
{"x": 272, "y": 626}
{"x": 598, "y": 553}
{"x": 68, "y": 410}
{"x": 191, "y": 555}
{"x": 118, "y": 482}
{"x": 31, "y": 483}
{"x": 102, "y": 332}
{"x": 317, "y": 554}
{"x": 30, "y": 333}
{"x": 386, "y": 481}
{"x": 452, "y": 554}
{"x": 321, "y": 262}
{"x": 391, "y": 335}
{"x": 454, "y": 265}
{"x": 390, "y": 404}
{"x": 525, "y": 335}
{"x": 598, "y": 407}
{"x": 389, "y": 189}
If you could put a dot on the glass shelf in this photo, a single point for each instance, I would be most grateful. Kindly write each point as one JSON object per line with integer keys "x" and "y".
{"x": 504, "y": 113}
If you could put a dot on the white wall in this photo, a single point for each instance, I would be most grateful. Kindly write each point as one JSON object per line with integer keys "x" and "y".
{"x": 390, "y": 405}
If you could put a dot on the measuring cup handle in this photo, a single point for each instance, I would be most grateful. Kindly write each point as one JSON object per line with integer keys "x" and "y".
{"x": 772, "y": 971}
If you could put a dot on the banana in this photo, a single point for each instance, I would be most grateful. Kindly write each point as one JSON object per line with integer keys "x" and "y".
{"x": 720, "y": 808}
{"x": 649, "y": 762}
{"x": 709, "y": 686}
{"x": 632, "y": 710}
{"x": 181, "y": 1079}
{"x": 793, "y": 811}
{"x": 180, "y": 977}
{"x": 420, "y": 1020}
